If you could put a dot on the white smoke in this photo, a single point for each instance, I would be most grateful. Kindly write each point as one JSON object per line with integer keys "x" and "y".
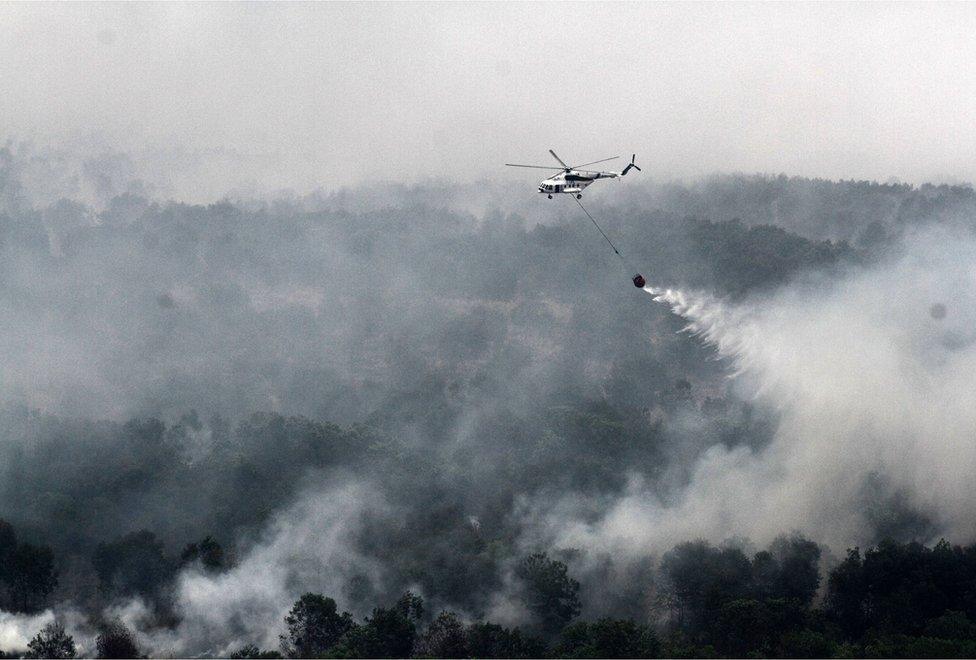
{"x": 871, "y": 378}
{"x": 17, "y": 630}
{"x": 309, "y": 546}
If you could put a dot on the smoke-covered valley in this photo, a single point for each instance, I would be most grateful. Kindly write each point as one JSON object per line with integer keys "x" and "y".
{"x": 392, "y": 388}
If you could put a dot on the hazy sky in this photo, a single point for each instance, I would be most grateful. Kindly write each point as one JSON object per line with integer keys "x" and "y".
{"x": 327, "y": 94}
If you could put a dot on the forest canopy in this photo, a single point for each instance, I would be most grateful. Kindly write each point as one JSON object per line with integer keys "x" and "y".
{"x": 260, "y": 423}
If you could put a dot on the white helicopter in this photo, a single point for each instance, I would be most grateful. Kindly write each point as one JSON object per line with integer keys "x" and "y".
{"x": 572, "y": 180}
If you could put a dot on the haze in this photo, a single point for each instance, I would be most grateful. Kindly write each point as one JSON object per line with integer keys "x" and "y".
{"x": 305, "y": 96}
{"x": 278, "y": 327}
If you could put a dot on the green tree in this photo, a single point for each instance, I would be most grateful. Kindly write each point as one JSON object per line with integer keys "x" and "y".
{"x": 30, "y": 577}
{"x": 548, "y": 591}
{"x": 846, "y": 594}
{"x": 252, "y": 652}
{"x": 8, "y": 545}
{"x": 798, "y": 576}
{"x": 388, "y": 633}
{"x": 897, "y": 588}
{"x": 742, "y": 625}
{"x": 116, "y": 641}
{"x": 411, "y": 606}
{"x": 907, "y": 646}
{"x": 490, "y": 640}
{"x": 208, "y": 552}
{"x": 8, "y": 542}
{"x": 607, "y": 638}
{"x": 51, "y": 642}
{"x": 698, "y": 579}
{"x": 132, "y": 564}
{"x": 445, "y": 637}
{"x": 314, "y": 626}
{"x": 951, "y": 625}
{"x": 806, "y": 643}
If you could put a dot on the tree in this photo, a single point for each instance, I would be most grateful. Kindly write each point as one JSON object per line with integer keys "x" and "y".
{"x": 30, "y": 577}
{"x": 806, "y": 644}
{"x": 607, "y": 638}
{"x": 314, "y": 626}
{"x": 388, "y": 633}
{"x": 51, "y": 642}
{"x": 411, "y": 606}
{"x": 208, "y": 552}
{"x": 548, "y": 591}
{"x": 8, "y": 542}
{"x": 445, "y": 637}
{"x": 698, "y": 578}
{"x": 742, "y": 625}
{"x": 490, "y": 640}
{"x": 251, "y": 651}
{"x": 116, "y": 641}
{"x": 951, "y": 625}
{"x": 897, "y": 588}
{"x": 798, "y": 576}
{"x": 134, "y": 563}
{"x": 907, "y": 646}
{"x": 846, "y": 593}
{"x": 8, "y": 545}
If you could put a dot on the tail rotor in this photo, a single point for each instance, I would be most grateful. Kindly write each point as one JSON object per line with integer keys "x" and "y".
{"x": 630, "y": 165}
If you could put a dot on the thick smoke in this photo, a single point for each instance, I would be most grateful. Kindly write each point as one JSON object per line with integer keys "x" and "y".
{"x": 502, "y": 389}
{"x": 17, "y": 630}
{"x": 306, "y": 547}
{"x": 874, "y": 403}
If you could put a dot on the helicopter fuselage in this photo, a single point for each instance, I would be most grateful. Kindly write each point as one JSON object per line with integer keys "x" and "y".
{"x": 572, "y": 182}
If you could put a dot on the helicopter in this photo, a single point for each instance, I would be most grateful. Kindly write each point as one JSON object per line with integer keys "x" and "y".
{"x": 571, "y": 179}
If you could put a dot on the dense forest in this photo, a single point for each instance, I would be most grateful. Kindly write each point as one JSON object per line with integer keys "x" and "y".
{"x": 373, "y": 424}
{"x": 895, "y": 601}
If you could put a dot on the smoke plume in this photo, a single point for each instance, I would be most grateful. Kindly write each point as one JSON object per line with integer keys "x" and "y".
{"x": 868, "y": 375}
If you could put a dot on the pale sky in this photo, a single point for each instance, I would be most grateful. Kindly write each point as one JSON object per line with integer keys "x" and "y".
{"x": 331, "y": 94}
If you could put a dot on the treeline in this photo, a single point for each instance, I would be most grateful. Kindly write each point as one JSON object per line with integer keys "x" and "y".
{"x": 79, "y": 486}
{"x": 859, "y": 212}
{"x": 894, "y": 600}
{"x": 898, "y": 600}
{"x": 27, "y": 573}
{"x": 135, "y": 564}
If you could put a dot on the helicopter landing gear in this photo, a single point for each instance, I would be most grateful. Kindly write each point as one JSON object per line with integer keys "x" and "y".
{"x": 550, "y": 196}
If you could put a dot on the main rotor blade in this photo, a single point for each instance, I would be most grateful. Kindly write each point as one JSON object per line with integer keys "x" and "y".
{"x": 595, "y": 162}
{"x": 559, "y": 159}
{"x": 537, "y": 167}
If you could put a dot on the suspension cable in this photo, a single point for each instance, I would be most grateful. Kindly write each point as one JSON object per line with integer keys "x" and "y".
{"x": 625, "y": 261}
{"x": 599, "y": 228}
